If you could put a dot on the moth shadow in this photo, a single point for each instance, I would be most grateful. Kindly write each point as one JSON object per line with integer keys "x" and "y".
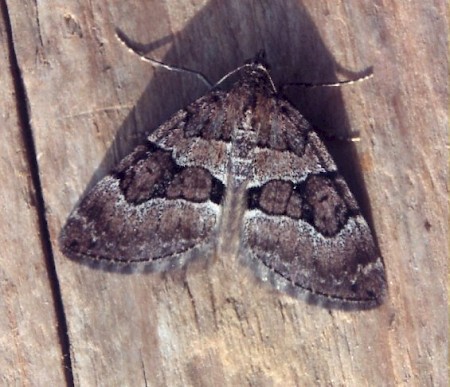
{"x": 213, "y": 45}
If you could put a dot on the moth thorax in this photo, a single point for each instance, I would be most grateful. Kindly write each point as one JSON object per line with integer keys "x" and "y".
{"x": 244, "y": 141}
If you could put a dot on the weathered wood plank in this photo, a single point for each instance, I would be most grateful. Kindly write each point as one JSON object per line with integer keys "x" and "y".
{"x": 30, "y": 349}
{"x": 91, "y": 100}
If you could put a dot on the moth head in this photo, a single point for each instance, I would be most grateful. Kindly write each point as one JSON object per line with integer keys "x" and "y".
{"x": 255, "y": 73}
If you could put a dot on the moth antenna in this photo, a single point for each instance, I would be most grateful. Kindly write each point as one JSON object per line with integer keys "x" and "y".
{"x": 121, "y": 37}
{"x": 369, "y": 74}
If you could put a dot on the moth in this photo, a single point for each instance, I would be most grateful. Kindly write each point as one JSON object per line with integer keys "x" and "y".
{"x": 238, "y": 172}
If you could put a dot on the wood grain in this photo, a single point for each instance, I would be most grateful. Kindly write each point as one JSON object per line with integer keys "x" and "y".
{"x": 90, "y": 101}
{"x": 30, "y": 346}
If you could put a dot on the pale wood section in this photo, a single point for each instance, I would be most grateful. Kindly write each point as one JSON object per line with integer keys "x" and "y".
{"x": 91, "y": 100}
{"x": 30, "y": 351}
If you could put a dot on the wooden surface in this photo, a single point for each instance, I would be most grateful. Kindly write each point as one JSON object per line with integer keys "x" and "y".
{"x": 87, "y": 101}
